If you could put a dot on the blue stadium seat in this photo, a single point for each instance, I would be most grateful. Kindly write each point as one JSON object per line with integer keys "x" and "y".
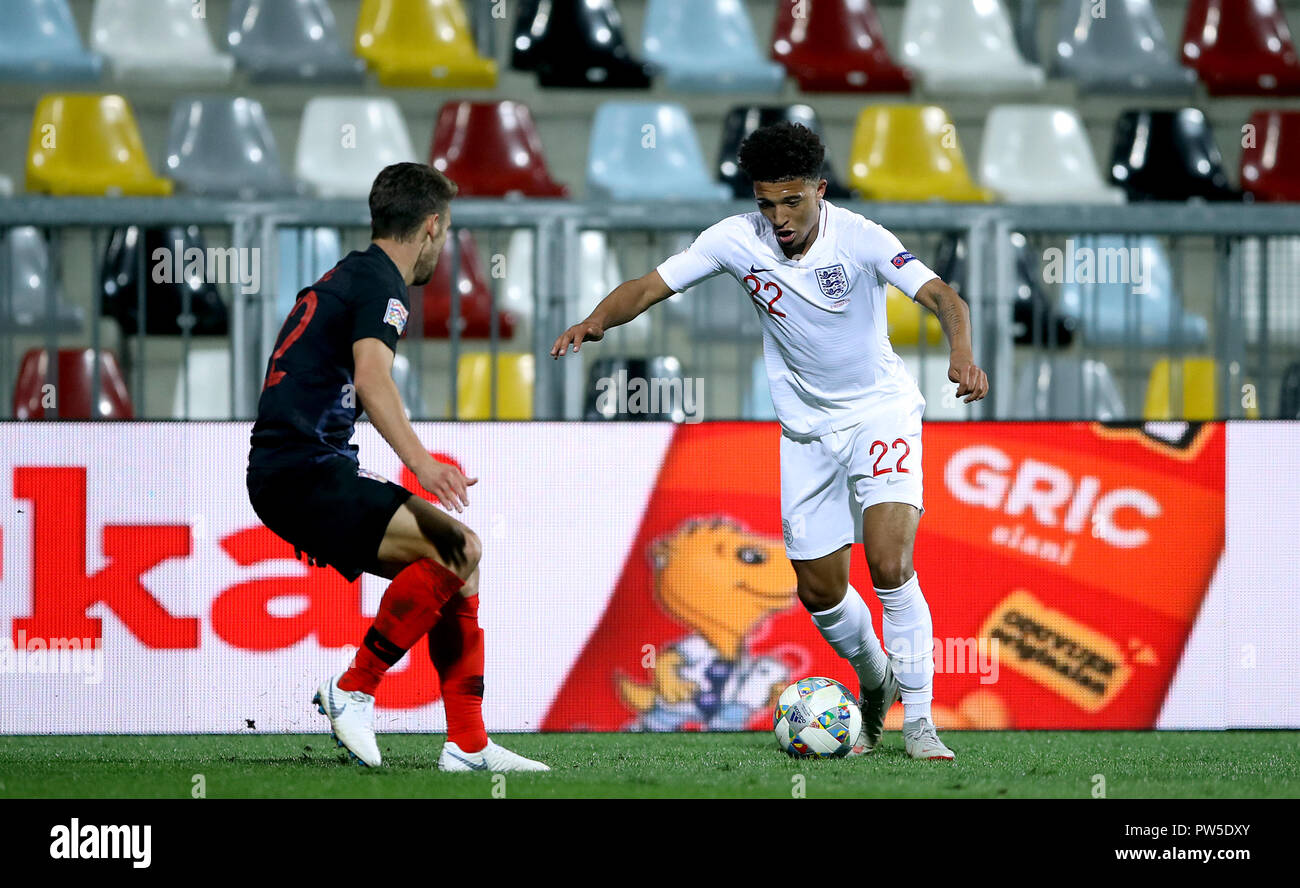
{"x": 647, "y": 151}
{"x": 1124, "y": 51}
{"x": 40, "y": 44}
{"x": 707, "y": 46}
{"x": 288, "y": 40}
{"x": 223, "y": 146}
{"x": 1112, "y": 314}
{"x": 305, "y": 255}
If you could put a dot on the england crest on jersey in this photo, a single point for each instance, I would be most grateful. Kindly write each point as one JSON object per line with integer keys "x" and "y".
{"x": 833, "y": 281}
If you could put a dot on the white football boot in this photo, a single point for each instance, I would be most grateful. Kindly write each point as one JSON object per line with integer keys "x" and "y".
{"x": 874, "y": 705}
{"x": 351, "y": 714}
{"x": 492, "y": 757}
{"x": 923, "y": 742}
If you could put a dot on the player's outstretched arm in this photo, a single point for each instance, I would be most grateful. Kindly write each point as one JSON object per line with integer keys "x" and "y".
{"x": 954, "y": 318}
{"x": 372, "y": 362}
{"x": 627, "y": 300}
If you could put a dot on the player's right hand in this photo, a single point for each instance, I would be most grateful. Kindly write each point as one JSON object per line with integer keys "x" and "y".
{"x": 587, "y": 331}
{"x": 448, "y": 484}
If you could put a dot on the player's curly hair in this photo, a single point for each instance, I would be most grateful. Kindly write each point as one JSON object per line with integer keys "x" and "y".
{"x": 781, "y": 152}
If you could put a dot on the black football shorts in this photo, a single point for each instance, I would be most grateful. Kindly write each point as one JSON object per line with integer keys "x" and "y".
{"x": 334, "y": 511}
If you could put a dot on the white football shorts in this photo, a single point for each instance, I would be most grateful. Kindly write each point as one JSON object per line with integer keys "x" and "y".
{"x": 828, "y": 481}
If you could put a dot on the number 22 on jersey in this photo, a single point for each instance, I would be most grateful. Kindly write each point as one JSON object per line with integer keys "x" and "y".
{"x": 768, "y": 304}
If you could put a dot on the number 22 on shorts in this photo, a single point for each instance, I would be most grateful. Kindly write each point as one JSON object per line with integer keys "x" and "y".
{"x": 885, "y": 449}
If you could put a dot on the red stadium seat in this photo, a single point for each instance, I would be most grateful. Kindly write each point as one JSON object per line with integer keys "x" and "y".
{"x": 475, "y": 296}
{"x": 491, "y": 149}
{"x": 1241, "y": 47}
{"x": 73, "y": 395}
{"x": 836, "y": 46}
{"x": 1270, "y": 164}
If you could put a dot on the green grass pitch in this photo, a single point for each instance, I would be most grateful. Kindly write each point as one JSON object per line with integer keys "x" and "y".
{"x": 1233, "y": 764}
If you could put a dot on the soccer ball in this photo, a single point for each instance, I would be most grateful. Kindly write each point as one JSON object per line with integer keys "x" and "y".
{"x": 816, "y": 718}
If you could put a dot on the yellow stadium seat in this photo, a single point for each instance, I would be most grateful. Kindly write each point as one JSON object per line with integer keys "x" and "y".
{"x": 514, "y": 386}
{"x": 910, "y": 153}
{"x": 905, "y": 320}
{"x": 421, "y": 43}
{"x": 89, "y": 145}
{"x": 1199, "y": 380}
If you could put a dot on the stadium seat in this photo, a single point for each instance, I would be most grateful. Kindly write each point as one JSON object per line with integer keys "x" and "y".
{"x": 40, "y": 44}
{"x": 706, "y": 46}
{"x": 1025, "y": 16}
{"x": 1276, "y": 321}
{"x": 289, "y": 40}
{"x": 1241, "y": 47}
{"x": 1288, "y": 402}
{"x": 73, "y": 389}
{"x": 422, "y": 43}
{"x": 515, "y": 376}
{"x": 223, "y": 146}
{"x": 344, "y": 142}
{"x": 89, "y": 145}
{"x": 1197, "y": 378}
{"x": 1034, "y": 320}
{"x": 965, "y": 46}
{"x": 1041, "y": 154}
{"x": 598, "y": 275}
{"x": 576, "y": 44}
{"x": 743, "y": 120}
{"x": 27, "y": 258}
{"x": 304, "y": 255}
{"x": 1066, "y": 388}
{"x": 910, "y": 153}
{"x": 6, "y": 186}
{"x": 1168, "y": 155}
{"x": 647, "y": 151}
{"x": 517, "y": 293}
{"x": 157, "y": 41}
{"x": 660, "y": 372}
{"x": 492, "y": 149}
{"x": 1123, "y": 51}
{"x": 164, "y": 294}
{"x": 905, "y": 318}
{"x": 208, "y": 382}
{"x": 836, "y": 46}
{"x": 1270, "y": 159}
{"x": 475, "y": 291}
{"x": 1111, "y": 313}
{"x": 757, "y": 403}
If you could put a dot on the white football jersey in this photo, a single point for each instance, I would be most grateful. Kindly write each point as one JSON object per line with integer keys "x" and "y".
{"x": 825, "y": 334}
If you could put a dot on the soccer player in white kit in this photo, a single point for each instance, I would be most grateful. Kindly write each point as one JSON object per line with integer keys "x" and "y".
{"x": 850, "y": 412}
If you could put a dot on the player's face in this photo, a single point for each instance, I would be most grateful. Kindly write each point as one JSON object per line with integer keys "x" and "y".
{"x": 793, "y": 207}
{"x": 429, "y": 253}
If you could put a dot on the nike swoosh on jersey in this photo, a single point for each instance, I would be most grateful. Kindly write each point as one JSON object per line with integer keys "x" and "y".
{"x": 753, "y": 270}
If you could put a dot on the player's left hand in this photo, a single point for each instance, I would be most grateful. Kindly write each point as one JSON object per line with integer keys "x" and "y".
{"x": 971, "y": 380}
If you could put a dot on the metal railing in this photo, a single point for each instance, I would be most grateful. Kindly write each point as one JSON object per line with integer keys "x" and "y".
{"x": 1228, "y": 264}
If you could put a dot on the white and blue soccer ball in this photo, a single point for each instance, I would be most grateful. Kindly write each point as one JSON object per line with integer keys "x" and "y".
{"x": 816, "y": 718}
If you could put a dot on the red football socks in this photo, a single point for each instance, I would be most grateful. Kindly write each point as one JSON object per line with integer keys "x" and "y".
{"x": 456, "y": 649}
{"x": 410, "y": 607}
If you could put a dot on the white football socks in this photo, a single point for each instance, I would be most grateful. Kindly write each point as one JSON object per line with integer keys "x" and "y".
{"x": 847, "y": 629}
{"x": 909, "y": 639}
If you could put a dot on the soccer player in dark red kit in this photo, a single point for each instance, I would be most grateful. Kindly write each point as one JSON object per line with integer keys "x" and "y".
{"x": 333, "y": 359}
